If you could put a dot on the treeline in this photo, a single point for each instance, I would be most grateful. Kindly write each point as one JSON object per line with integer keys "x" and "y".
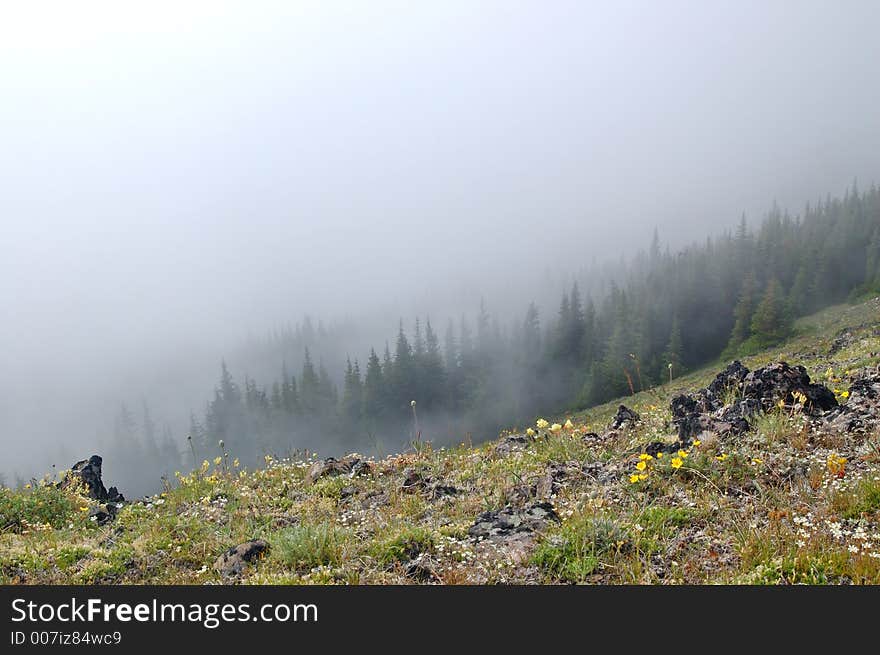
{"x": 613, "y": 334}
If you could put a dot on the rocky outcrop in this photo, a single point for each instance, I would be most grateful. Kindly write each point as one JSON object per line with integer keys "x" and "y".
{"x": 727, "y": 404}
{"x": 87, "y": 473}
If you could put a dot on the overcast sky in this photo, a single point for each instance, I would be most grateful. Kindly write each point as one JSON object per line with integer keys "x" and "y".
{"x": 175, "y": 174}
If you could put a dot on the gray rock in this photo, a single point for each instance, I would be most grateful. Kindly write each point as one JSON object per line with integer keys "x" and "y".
{"x": 233, "y": 561}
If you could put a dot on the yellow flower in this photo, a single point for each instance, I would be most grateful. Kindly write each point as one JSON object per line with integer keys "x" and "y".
{"x": 641, "y": 466}
{"x": 844, "y": 394}
{"x": 555, "y": 427}
{"x": 757, "y": 460}
{"x": 542, "y": 424}
{"x": 236, "y": 463}
{"x": 643, "y": 476}
{"x": 836, "y": 465}
{"x": 645, "y": 457}
{"x": 781, "y": 404}
{"x": 721, "y": 457}
{"x": 682, "y": 453}
{"x": 660, "y": 455}
{"x": 829, "y": 373}
{"x": 217, "y": 460}
{"x": 697, "y": 442}
{"x": 677, "y": 462}
{"x": 568, "y": 425}
{"x": 634, "y": 478}
{"x": 530, "y": 432}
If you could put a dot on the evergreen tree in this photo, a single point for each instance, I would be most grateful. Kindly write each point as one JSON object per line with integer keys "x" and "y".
{"x": 771, "y": 322}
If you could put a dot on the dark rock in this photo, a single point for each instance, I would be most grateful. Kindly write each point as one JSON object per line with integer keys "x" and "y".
{"x": 349, "y": 465}
{"x": 511, "y": 521}
{"x": 88, "y": 473}
{"x": 347, "y": 492}
{"x": 442, "y": 490}
{"x": 511, "y": 443}
{"x": 233, "y": 561}
{"x": 625, "y": 417}
{"x": 728, "y": 379}
{"x": 861, "y": 412}
{"x": 759, "y": 390}
{"x": 551, "y": 481}
{"x": 656, "y": 447}
{"x": 779, "y": 381}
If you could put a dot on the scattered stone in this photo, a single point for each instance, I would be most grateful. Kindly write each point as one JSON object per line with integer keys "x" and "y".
{"x": 861, "y": 412}
{"x": 727, "y": 380}
{"x": 347, "y": 492}
{"x": 625, "y": 417}
{"x": 350, "y": 465}
{"x": 511, "y": 522}
{"x": 439, "y": 491}
{"x": 512, "y": 443}
{"x": 421, "y": 569}
{"x": 551, "y": 481}
{"x": 233, "y": 561}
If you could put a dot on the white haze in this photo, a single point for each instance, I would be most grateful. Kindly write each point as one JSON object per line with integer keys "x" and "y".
{"x": 175, "y": 176}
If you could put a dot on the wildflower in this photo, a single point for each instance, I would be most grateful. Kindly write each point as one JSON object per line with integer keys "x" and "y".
{"x": 829, "y": 373}
{"x": 645, "y": 457}
{"x": 697, "y": 442}
{"x": 683, "y": 454}
{"x": 555, "y": 427}
{"x": 677, "y": 462}
{"x": 660, "y": 455}
{"x": 217, "y": 460}
{"x": 236, "y": 463}
{"x": 641, "y": 465}
{"x": 781, "y": 404}
{"x": 530, "y": 432}
{"x": 643, "y": 476}
{"x": 568, "y": 425}
{"x": 542, "y": 424}
{"x": 853, "y": 549}
{"x": 721, "y": 457}
{"x": 634, "y": 478}
{"x": 844, "y": 394}
{"x": 836, "y": 465}
{"x": 756, "y": 461}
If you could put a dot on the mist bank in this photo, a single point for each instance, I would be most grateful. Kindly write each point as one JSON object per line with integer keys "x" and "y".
{"x": 619, "y": 327}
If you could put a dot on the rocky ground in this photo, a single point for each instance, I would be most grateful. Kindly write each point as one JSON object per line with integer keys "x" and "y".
{"x": 760, "y": 471}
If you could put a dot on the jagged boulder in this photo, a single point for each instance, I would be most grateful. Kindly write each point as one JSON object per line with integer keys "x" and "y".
{"x": 625, "y": 417}
{"x": 87, "y": 473}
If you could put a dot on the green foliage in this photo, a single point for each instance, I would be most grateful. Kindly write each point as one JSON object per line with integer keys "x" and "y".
{"x": 42, "y": 503}
{"x": 575, "y": 551}
{"x": 303, "y": 547}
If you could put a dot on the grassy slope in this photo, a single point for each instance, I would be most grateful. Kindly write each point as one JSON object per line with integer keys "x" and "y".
{"x": 736, "y": 520}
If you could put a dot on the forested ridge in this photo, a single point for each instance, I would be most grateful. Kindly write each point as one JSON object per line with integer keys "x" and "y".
{"x": 616, "y": 330}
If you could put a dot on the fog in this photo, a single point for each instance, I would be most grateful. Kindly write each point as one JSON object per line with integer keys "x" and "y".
{"x": 176, "y": 177}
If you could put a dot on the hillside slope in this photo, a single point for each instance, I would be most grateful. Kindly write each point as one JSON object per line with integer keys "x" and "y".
{"x": 794, "y": 498}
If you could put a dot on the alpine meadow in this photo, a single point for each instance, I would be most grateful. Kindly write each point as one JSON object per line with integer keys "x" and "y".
{"x": 440, "y": 293}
